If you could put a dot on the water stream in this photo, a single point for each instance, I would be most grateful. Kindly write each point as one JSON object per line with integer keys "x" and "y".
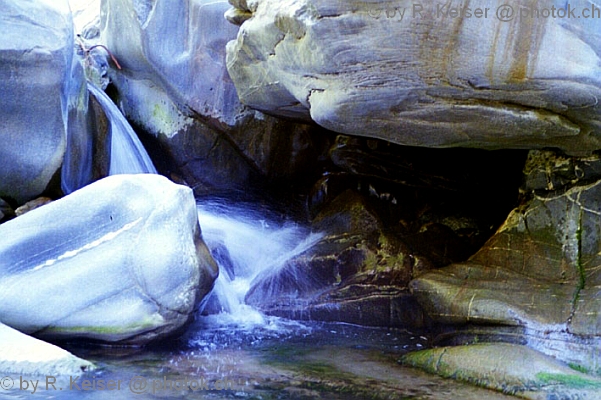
{"x": 246, "y": 244}
{"x": 128, "y": 155}
{"x": 235, "y": 351}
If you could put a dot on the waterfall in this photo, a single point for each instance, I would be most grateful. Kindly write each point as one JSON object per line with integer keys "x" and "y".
{"x": 128, "y": 155}
{"x": 246, "y": 244}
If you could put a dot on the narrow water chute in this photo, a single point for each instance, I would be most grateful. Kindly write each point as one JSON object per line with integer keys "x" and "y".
{"x": 128, "y": 155}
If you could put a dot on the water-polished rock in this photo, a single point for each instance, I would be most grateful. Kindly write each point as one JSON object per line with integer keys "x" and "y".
{"x": 540, "y": 273}
{"x": 36, "y": 54}
{"x": 508, "y": 368}
{"x": 24, "y": 355}
{"x": 176, "y": 87}
{"x": 121, "y": 261}
{"x": 357, "y": 273}
{"x": 424, "y": 74}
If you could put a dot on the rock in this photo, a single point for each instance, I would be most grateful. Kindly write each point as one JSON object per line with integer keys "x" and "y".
{"x": 24, "y": 355}
{"x": 6, "y": 211}
{"x": 176, "y": 88}
{"x": 389, "y": 214}
{"x": 358, "y": 273}
{"x": 88, "y": 154}
{"x": 537, "y": 274}
{"x": 422, "y": 78}
{"x": 36, "y": 60}
{"x": 32, "y": 205}
{"x": 125, "y": 253}
{"x": 548, "y": 171}
{"x": 85, "y": 13}
{"x": 455, "y": 197}
{"x": 507, "y": 368}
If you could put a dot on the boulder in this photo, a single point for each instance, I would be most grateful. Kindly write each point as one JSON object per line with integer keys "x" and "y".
{"x": 537, "y": 279}
{"x": 125, "y": 254}
{"x": 357, "y": 273}
{"x": 507, "y": 368}
{"x": 424, "y": 74}
{"x": 36, "y": 57}
{"x": 176, "y": 88}
{"x": 23, "y": 355}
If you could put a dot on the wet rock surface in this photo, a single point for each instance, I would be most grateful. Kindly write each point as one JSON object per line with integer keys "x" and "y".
{"x": 538, "y": 273}
{"x": 388, "y": 214}
{"x": 511, "y": 369}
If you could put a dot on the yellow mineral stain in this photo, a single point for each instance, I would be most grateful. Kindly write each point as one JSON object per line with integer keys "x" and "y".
{"x": 523, "y": 37}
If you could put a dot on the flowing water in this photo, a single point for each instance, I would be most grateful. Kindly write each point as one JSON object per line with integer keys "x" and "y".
{"x": 235, "y": 351}
{"x": 246, "y": 244}
{"x": 238, "y": 353}
{"x": 128, "y": 155}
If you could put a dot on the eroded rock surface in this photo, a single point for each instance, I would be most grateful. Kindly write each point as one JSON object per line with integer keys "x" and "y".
{"x": 120, "y": 261}
{"x": 175, "y": 86}
{"x": 540, "y": 272}
{"x": 36, "y": 56}
{"x": 426, "y": 80}
{"x": 358, "y": 273}
{"x": 389, "y": 214}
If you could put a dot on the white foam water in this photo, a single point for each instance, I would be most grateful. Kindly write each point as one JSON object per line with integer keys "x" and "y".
{"x": 246, "y": 245}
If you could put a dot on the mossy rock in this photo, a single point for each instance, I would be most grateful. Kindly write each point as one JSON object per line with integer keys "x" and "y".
{"x": 509, "y": 368}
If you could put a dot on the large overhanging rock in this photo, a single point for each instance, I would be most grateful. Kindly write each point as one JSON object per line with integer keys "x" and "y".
{"x": 423, "y": 78}
{"x": 36, "y": 53}
{"x": 121, "y": 260}
{"x": 538, "y": 278}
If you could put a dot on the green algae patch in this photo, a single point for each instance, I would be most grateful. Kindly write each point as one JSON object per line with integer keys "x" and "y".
{"x": 104, "y": 333}
{"x": 571, "y": 381}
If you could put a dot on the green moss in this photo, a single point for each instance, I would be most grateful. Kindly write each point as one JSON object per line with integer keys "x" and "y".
{"x": 579, "y": 368}
{"x": 162, "y": 115}
{"x": 572, "y": 381}
{"x": 384, "y": 259}
{"x": 427, "y": 360}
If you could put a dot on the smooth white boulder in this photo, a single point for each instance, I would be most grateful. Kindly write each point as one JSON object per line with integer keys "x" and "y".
{"x": 36, "y": 59}
{"x": 424, "y": 79}
{"x": 24, "y": 355}
{"x": 121, "y": 260}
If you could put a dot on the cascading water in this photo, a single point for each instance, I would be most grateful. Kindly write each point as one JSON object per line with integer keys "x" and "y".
{"x": 246, "y": 244}
{"x": 128, "y": 155}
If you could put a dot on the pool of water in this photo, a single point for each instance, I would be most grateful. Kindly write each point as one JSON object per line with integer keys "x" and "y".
{"x": 238, "y": 353}
{"x": 280, "y": 359}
